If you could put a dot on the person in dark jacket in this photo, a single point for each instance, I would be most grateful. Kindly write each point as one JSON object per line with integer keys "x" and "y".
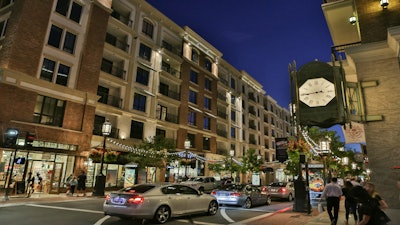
{"x": 350, "y": 203}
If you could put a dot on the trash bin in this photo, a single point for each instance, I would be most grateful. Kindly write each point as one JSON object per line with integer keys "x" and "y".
{"x": 300, "y": 196}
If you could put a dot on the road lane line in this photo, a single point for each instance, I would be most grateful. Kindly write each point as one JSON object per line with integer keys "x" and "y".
{"x": 262, "y": 216}
{"x": 64, "y": 208}
{"x": 196, "y": 222}
{"x": 225, "y": 216}
{"x": 101, "y": 221}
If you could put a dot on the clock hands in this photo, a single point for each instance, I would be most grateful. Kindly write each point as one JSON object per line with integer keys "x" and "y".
{"x": 316, "y": 92}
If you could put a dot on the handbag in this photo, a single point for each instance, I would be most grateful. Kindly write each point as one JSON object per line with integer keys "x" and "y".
{"x": 320, "y": 208}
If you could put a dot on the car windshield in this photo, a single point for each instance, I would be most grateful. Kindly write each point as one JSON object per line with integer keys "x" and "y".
{"x": 277, "y": 184}
{"x": 198, "y": 179}
{"x": 233, "y": 187}
{"x": 138, "y": 188}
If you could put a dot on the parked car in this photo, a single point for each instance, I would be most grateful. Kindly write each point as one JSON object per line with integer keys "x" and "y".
{"x": 283, "y": 190}
{"x": 158, "y": 202}
{"x": 202, "y": 183}
{"x": 242, "y": 195}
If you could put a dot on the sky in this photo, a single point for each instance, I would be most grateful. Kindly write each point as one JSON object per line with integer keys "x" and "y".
{"x": 260, "y": 37}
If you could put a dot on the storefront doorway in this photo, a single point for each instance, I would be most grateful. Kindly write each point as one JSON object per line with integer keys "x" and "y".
{"x": 47, "y": 174}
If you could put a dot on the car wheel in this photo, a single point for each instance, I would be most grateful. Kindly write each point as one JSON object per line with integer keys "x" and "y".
{"x": 162, "y": 214}
{"x": 247, "y": 203}
{"x": 269, "y": 200}
{"x": 212, "y": 208}
{"x": 290, "y": 198}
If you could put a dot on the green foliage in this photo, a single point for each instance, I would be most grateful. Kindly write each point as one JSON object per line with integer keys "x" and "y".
{"x": 250, "y": 162}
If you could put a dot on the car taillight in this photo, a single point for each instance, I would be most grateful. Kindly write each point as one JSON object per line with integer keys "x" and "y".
{"x": 282, "y": 189}
{"x": 236, "y": 194}
{"x": 213, "y": 193}
{"x": 136, "y": 200}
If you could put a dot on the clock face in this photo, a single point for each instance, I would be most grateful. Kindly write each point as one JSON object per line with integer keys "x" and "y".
{"x": 317, "y": 92}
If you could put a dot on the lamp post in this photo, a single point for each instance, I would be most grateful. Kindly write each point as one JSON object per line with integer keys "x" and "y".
{"x": 231, "y": 153}
{"x": 187, "y": 146}
{"x": 100, "y": 178}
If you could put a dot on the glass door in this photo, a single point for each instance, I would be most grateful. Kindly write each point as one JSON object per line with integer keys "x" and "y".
{"x": 55, "y": 181}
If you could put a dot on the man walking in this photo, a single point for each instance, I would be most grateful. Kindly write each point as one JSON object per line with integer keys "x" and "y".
{"x": 81, "y": 184}
{"x": 332, "y": 193}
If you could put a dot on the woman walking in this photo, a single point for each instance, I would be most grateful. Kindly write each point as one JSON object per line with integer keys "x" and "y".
{"x": 350, "y": 203}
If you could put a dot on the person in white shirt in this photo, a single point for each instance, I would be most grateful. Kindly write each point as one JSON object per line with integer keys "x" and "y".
{"x": 332, "y": 193}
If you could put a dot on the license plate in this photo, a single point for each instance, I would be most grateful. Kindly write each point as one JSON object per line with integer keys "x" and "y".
{"x": 118, "y": 200}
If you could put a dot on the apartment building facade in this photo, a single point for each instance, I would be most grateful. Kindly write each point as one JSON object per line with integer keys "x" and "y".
{"x": 369, "y": 45}
{"x": 68, "y": 66}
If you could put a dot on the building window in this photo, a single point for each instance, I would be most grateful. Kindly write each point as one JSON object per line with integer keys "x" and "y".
{"x": 139, "y": 102}
{"x": 233, "y": 83}
{"x": 193, "y": 97}
{"x": 207, "y": 84}
{"x": 136, "y": 129}
{"x": 161, "y": 112}
{"x": 192, "y": 118}
{"x": 59, "y": 37}
{"x": 206, "y": 143}
{"x": 49, "y": 111}
{"x": 195, "y": 56}
{"x": 243, "y": 135}
{"x": 142, "y": 76}
{"x": 233, "y": 116}
{"x": 103, "y": 93}
{"x": 160, "y": 133}
{"x": 207, "y": 123}
{"x": 207, "y": 103}
{"x": 233, "y": 100}
{"x": 194, "y": 76}
{"x": 148, "y": 28}
{"x": 192, "y": 139}
{"x": 207, "y": 65}
{"x": 145, "y": 52}
{"x": 70, "y": 9}
{"x": 233, "y": 132}
{"x": 3, "y": 27}
{"x": 48, "y": 72}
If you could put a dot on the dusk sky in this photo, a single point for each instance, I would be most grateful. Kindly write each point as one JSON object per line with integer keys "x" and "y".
{"x": 260, "y": 37}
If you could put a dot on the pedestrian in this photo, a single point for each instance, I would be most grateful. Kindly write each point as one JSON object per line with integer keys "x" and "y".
{"x": 332, "y": 193}
{"x": 81, "y": 183}
{"x": 370, "y": 187}
{"x": 40, "y": 179}
{"x": 30, "y": 185}
{"x": 369, "y": 208}
{"x": 350, "y": 203}
{"x": 72, "y": 183}
{"x": 67, "y": 183}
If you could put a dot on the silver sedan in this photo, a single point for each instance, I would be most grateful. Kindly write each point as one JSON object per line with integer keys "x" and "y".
{"x": 158, "y": 202}
{"x": 241, "y": 194}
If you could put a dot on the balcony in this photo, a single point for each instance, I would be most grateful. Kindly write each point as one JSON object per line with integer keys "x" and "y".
{"x": 167, "y": 68}
{"x": 222, "y": 96}
{"x": 169, "y": 93}
{"x": 222, "y": 114}
{"x": 252, "y": 126}
{"x": 252, "y": 141}
{"x": 111, "y": 100}
{"x": 172, "y": 49}
{"x": 123, "y": 19}
{"x": 223, "y": 81}
{"x": 171, "y": 118}
{"x": 221, "y": 151}
{"x": 118, "y": 43}
{"x": 251, "y": 97}
{"x": 222, "y": 133}
{"x": 107, "y": 67}
{"x": 252, "y": 111}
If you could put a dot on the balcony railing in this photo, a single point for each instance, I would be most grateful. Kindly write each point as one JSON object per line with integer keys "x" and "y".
{"x": 113, "y": 70}
{"x": 114, "y": 41}
{"x": 171, "y": 49}
{"x": 222, "y": 96}
{"x": 171, "y": 118}
{"x": 170, "y": 94}
{"x": 124, "y": 19}
{"x": 111, "y": 100}
{"x": 223, "y": 81}
{"x": 172, "y": 71}
{"x": 222, "y": 133}
{"x": 222, "y": 114}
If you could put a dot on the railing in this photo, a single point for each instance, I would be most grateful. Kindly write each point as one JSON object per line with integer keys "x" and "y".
{"x": 222, "y": 133}
{"x": 166, "y": 67}
{"x": 171, "y": 118}
{"x": 222, "y": 114}
{"x": 114, "y": 41}
{"x": 223, "y": 81}
{"x": 113, "y": 70}
{"x": 171, "y": 49}
{"x": 170, "y": 94}
{"x": 125, "y": 20}
{"x": 222, "y": 96}
{"x": 111, "y": 100}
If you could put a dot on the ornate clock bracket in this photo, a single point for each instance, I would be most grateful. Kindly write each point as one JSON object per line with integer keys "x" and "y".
{"x": 355, "y": 101}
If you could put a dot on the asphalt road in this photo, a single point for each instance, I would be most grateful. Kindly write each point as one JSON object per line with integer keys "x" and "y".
{"x": 89, "y": 212}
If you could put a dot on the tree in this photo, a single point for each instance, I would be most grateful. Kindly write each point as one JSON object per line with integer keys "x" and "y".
{"x": 250, "y": 161}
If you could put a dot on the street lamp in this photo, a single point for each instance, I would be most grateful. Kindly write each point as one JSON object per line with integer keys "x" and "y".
{"x": 100, "y": 178}
{"x": 187, "y": 146}
{"x": 324, "y": 146}
{"x": 231, "y": 153}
